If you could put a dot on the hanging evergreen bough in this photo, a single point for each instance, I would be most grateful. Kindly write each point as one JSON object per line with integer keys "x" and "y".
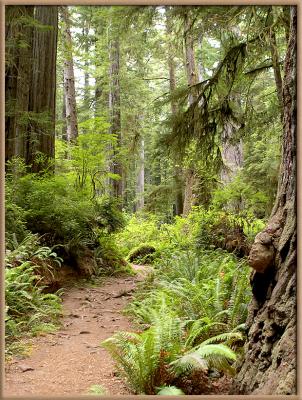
{"x": 204, "y": 119}
{"x": 205, "y": 116}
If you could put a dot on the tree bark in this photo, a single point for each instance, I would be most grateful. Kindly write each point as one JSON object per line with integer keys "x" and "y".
{"x": 189, "y": 173}
{"x": 140, "y": 185}
{"x": 64, "y": 126}
{"x": 178, "y": 172}
{"x": 41, "y": 141}
{"x": 17, "y": 80}
{"x": 276, "y": 68}
{"x": 200, "y": 67}
{"x": 189, "y": 191}
{"x": 115, "y": 114}
{"x": 69, "y": 82}
{"x": 189, "y": 54}
{"x": 86, "y": 64}
{"x": 269, "y": 364}
{"x": 232, "y": 152}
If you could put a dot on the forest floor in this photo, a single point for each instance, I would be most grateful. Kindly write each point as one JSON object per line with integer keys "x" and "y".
{"x": 70, "y": 360}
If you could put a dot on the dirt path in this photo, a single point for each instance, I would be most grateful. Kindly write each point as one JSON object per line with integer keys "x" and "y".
{"x": 70, "y": 361}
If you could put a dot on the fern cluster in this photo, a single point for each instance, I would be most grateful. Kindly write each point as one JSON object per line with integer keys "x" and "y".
{"x": 190, "y": 318}
{"x": 27, "y": 308}
{"x": 160, "y": 354}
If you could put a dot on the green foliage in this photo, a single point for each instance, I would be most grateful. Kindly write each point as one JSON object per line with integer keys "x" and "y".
{"x": 191, "y": 309}
{"x": 203, "y": 357}
{"x": 70, "y": 214}
{"x": 143, "y": 254}
{"x": 28, "y": 309}
{"x": 140, "y": 228}
{"x": 109, "y": 217}
{"x": 142, "y": 358}
{"x": 109, "y": 257}
{"x": 152, "y": 358}
{"x": 240, "y": 197}
{"x": 214, "y": 290}
{"x": 89, "y": 155}
{"x": 29, "y": 249}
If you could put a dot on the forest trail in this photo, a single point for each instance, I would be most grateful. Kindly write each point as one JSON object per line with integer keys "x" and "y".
{"x": 70, "y": 361}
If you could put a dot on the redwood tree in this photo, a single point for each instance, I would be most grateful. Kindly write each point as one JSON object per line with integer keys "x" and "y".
{"x": 41, "y": 130}
{"x": 115, "y": 111}
{"x": 17, "y": 79}
{"x": 190, "y": 177}
{"x": 269, "y": 364}
{"x": 69, "y": 82}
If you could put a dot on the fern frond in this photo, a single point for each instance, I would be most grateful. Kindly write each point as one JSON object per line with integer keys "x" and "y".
{"x": 228, "y": 337}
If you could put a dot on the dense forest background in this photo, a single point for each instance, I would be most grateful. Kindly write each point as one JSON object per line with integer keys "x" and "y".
{"x": 157, "y": 135}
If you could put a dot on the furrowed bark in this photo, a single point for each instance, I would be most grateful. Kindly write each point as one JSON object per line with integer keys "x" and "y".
{"x": 41, "y": 141}
{"x": 69, "y": 81}
{"x": 269, "y": 364}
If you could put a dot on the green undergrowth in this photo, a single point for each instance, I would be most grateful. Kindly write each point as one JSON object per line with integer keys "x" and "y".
{"x": 191, "y": 309}
{"x": 201, "y": 229}
{"x": 28, "y": 310}
{"x": 51, "y": 222}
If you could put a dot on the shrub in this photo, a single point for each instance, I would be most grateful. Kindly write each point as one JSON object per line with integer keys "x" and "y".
{"x": 15, "y": 219}
{"x": 140, "y": 228}
{"x": 71, "y": 220}
{"x": 143, "y": 254}
{"x": 109, "y": 217}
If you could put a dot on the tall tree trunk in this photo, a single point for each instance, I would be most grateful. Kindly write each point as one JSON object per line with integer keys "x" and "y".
{"x": 41, "y": 143}
{"x": 140, "y": 185}
{"x": 178, "y": 172}
{"x": 200, "y": 67}
{"x": 98, "y": 88}
{"x": 189, "y": 173}
{"x": 86, "y": 65}
{"x": 269, "y": 363}
{"x": 115, "y": 114}
{"x": 232, "y": 148}
{"x": 232, "y": 151}
{"x": 64, "y": 126}
{"x": 189, "y": 191}
{"x": 189, "y": 54}
{"x": 276, "y": 67}
{"x": 69, "y": 83}
{"x": 17, "y": 79}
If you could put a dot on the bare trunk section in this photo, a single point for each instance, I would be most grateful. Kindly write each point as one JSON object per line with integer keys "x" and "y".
{"x": 189, "y": 191}
{"x": 269, "y": 364}
{"x": 201, "y": 72}
{"x": 232, "y": 151}
{"x": 98, "y": 88}
{"x": 140, "y": 185}
{"x": 86, "y": 64}
{"x": 17, "y": 80}
{"x": 69, "y": 83}
{"x": 178, "y": 173}
{"x": 40, "y": 146}
{"x": 189, "y": 54}
{"x": 64, "y": 127}
{"x": 276, "y": 67}
{"x": 115, "y": 114}
{"x": 192, "y": 79}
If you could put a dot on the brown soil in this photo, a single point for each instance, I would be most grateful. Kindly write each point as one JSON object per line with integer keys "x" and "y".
{"x": 70, "y": 361}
